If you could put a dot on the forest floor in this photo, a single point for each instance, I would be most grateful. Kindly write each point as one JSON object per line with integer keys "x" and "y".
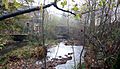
{"x": 17, "y": 59}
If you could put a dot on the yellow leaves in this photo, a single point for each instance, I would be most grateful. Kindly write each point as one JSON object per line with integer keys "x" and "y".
{"x": 64, "y": 3}
{"x": 78, "y": 16}
{"x": 75, "y": 8}
{"x": 102, "y": 2}
{"x": 16, "y": 4}
{"x": 41, "y": 7}
{"x": 5, "y": 3}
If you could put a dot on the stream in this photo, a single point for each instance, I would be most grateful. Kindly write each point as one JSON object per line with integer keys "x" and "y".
{"x": 62, "y": 50}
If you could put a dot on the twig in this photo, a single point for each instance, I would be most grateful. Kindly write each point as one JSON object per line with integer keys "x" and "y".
{"x": 74, "y": 57}
{"x": 57, "y": 50}
{"x": 116, "y": 11}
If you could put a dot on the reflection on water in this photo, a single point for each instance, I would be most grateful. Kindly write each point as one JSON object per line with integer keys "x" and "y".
{"x": 64, "y": 50}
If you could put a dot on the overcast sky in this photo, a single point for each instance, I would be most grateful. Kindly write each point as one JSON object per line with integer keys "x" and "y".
{"x": 53, "y": 10}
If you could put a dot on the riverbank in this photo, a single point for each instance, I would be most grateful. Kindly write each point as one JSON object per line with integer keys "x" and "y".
{"x": 55, "y": 57}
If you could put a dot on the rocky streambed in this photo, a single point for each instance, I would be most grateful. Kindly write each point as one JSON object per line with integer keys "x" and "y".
{"x": 63, "y": 57}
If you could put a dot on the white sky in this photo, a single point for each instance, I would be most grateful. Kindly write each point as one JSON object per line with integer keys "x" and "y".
{"x": 53, "y": 10}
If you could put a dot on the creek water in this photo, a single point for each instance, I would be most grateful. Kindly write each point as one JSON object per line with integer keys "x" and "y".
{"x": 61, "y": 49}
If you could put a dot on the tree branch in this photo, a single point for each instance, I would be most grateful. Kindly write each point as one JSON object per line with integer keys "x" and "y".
{"x": 55, "y": 5}
{"x": 36, "y": 9}
{"x": 31, "y": 10}
{"x": 23, "y": 12}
